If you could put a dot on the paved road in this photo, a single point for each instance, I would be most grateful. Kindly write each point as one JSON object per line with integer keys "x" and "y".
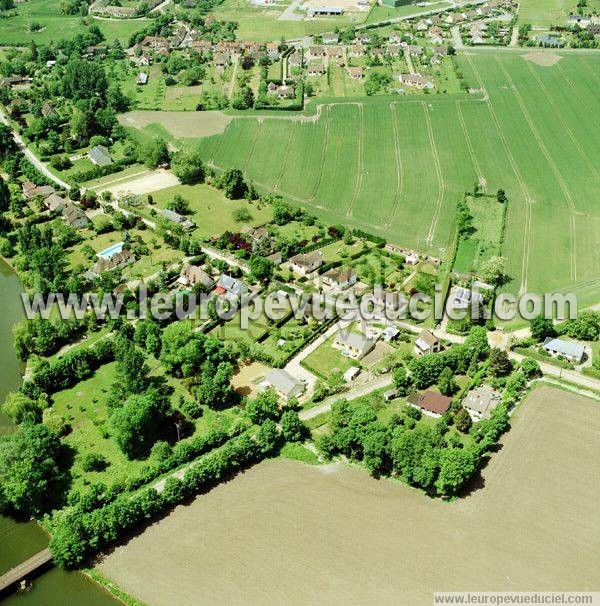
{"x": 41, "y": 166}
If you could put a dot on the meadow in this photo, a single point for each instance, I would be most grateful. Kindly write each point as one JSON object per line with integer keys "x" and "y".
{"x": 550, "y": 12}
{"x": 396, "y": 166}
{"x": 15, "y": 29}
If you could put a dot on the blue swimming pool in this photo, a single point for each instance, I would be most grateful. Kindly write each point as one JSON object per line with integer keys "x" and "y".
{"x": 107, "y": 253}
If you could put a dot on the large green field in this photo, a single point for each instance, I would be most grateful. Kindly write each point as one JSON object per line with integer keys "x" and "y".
{"x": 397, "y": 166}
{"x": 550, "y": 12}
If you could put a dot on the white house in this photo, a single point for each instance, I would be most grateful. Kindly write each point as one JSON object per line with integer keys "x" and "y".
{"x": 284, "y": 383}
{"x": 340, "y": 278}
{"x": 306, "y": 263}
{"x": 570, "y": 350}
{"x": 426, "y": 343}
{"x": 480, "y": 402}
{"x": 353, "y": 344}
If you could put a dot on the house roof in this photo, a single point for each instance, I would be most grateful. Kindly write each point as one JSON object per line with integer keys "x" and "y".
{"x": 431, "y": 401}
{"x": 428, "y": 338}
{"x": 482, "y": 399}
{"x": 72, "y": 214}
{"x": 340, "y": 274}
{"x": 307, "y": 259}
{"x": 232, "y": 285}
{"x": 196, "y": 275}
{"x": 354, "y": 340}
{"x": 99, "y": 154}
{"x": 54, "y": 202}
{"x": 571, "y": 349}
{"x": 283, "y": 381}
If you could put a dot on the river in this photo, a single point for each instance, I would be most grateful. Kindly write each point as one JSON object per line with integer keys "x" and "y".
{"x": 18, "y": 541}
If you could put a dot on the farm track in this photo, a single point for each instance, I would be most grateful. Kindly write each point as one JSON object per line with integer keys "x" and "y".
{"x": 570, "y": 82}
{"x": 399, "y": 171}
{"x": 518, "y": 176}
{"x": 469, "y": 143}
{"x": 360, "y": 168}
{"x": 286, "y": 153}
{"x": 439, "y": 174}
{"x": 323, "y": 155}
{"x": 253, "y": 146}
{"x": 563, "y": 186}
{"x": 563, "y": 123}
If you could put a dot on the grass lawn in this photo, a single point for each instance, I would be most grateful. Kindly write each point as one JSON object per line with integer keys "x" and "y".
{"x": 232, "y": 330}
{"x": 293, "y": 332}
{"x": 124, "y": 175}
{"x": 326, "y": 360}
{"x": 298, "y": 452}
{"x": 338, "y": 251}
{"x": 376, "y": 268}
{"x": 212, "y": 212}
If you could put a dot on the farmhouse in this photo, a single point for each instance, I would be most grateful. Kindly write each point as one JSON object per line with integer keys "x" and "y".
{"x": 429, "y": 402}
{"x": 394, "y": 38}
{"x": 417, "y": 81}
{"x": 173, "y": 217}
{"x": 353, "y": 344}
{"x": 221, "y": 61}
{"x": 284, "y": 384}
{"x": 99, "y": 156}
{"x": 394, "y": 50}
{"x": 570, "y": 350}
{"x": 191, "y": 275}
{"x": 273, "y": 50}
{"x": 421, "y": 26}
{"x": 340, "y": 278}
{"x": 325, "y": 10}
{"x": 427, "y": 343}
{"x": 480, "y": 402}
{"x": 74, "y": 216}
{"x": 306, "y": 263}
{"x": 363, "y": 38}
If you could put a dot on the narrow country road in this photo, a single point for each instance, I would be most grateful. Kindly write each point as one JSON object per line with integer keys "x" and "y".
{"x": 41, "y": 166}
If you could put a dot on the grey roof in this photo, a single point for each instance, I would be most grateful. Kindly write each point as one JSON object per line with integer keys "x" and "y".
{"x": 232, "y": 285}
{"x": 570, "y": 349}
{"x": 284, "y": 382}
{"x": 354, "y": 340}
{"x": 100, "y": 156}
{"x": 482, "y": 400}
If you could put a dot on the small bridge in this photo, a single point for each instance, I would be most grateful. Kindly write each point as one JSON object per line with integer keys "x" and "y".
{"x": 32, "y": 565}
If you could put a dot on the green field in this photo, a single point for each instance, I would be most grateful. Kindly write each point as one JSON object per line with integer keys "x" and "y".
{"x": 397, "y": 166}
{"x": 551, "y": 12}
{"x": 15, "y": 30}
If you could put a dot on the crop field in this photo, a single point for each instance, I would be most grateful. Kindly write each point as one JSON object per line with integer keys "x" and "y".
{"x": 528, "y": 503}
{"x": 550, "y": 12}
{"x": 397, "y": 166}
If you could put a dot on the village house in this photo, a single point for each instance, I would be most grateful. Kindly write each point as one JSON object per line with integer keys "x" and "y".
{"x": 334, "y": 52}
{"x": 221, "y": 61}
{"x": 442, "y": 51}
{"x": 356, "y": 73}
{"x": 414, "y": 50}
{"x": 394, "y": 38}
{"x": 315, "y": 69}
{"x": 481, "y": 401}
{"x": 99, "y": 156}
{"x": 421, "y": 26}
{"x": 411, "y": 259}
{"x": 201, "y": 46}
{"x": 47, "y": 110}
{"x": 363, "y": 38}
{"x": 117, "y": 261}
{"x": 463, "y": 298}
{"x": 157, "y": 43}
{"x": 31, "y": 190}
{"x": 74, "y": 216}
{"x": 340, "y": 278}
{"x": 273, "y": 50}
{"x": 230, "y": 286}
{"x": 426, "y": 343}
{"x": 192, "y": 275}
{"x": 569, "y": 350}
{"x": 281, "y": 91}
{"x": 356, "y": 50}
{"x": 306, "y": 263}
{"x": 390, "y": 333}
{"x": 295, "y": 59}
{"x": 455, "y": 18}
{"x": 15, "y": 80}
{"x": 390, "y": 303}
{"x": 352, "y": 344}
{"x": 417, "y": 81}
{"x": 435, "y": 38}
{"x": 317, "y": 51}
{"x": 394, "y": 50}
{"x": 54, "y": 203}
{"x": 331, "y": 38}
{"x": 173, "y": 217}
{"x": 430, "y": 403}
{"x": 285, "y": 385}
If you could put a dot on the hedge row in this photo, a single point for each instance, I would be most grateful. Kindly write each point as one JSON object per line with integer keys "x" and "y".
{"x": 78, "y": 535}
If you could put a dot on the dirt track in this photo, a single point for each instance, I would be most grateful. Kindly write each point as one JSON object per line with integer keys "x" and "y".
{"x": 289, "y": 533}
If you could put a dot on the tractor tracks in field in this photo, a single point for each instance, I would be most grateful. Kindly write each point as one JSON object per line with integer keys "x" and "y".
{"x": 323, "y": 154}
{"x": 463, "y": 125}
{"x": 360, "y": 167}
{"x": 439, "y": 174}
{"x": 399, "y": 170}
{"x": 253, "y": 146}
{"x": 286, "y": 153}
{"x": 526, "y": 196}
{"x": 563, "y": 186}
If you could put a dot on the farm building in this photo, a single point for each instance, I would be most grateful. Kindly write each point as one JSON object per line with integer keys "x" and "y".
{"x": 427, "y": 343}
{"x": 352, "y": 344}
{"x": 351, "y": 374}
{"x": 99, "y": 156}
{"x": 395, "y": 3}
{"x": 142, "y": 78}
{"x": 335, "y": 11}
{"x": 306, "y": 263}
{"x": 570, "y": 350}
{"x": 284, "y": 384}
{"x": 429, "y": 402}
{"x": 480, "y": 402}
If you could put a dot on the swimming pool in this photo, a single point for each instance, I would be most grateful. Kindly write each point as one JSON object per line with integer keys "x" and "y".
{"x": 107, "y": 253}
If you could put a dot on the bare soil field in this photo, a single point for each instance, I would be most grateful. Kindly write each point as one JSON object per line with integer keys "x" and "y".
{"x": 544, "y": 59}
{"x": 289, "y": 533}
{"x": 144, "y": 183}
{"x": 179, "y": 124}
